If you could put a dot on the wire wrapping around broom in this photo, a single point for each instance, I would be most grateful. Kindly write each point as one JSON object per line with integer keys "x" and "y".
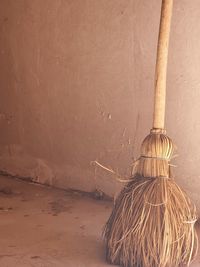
{"x": 134, "y": 166}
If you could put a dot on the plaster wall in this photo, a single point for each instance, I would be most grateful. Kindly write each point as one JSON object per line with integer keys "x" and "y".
{"x": 76, "y": 86}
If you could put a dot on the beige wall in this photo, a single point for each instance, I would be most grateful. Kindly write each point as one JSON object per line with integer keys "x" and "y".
{"x": 76, "y": 79}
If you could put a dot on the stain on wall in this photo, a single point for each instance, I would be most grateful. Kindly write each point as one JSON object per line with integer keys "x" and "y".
{"x": 76, "y": 83}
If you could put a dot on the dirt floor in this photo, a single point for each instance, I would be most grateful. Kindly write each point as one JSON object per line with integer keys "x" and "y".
{"x": 45, "y": 227}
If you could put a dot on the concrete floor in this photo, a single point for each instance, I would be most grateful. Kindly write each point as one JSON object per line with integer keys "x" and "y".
{"x": 45, "y": 227}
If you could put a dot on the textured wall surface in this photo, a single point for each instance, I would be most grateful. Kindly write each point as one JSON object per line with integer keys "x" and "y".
{"x": 76, "y": 79}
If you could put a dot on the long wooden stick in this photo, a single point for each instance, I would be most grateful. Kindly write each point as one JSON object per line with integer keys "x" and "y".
{"x": 161, "y": 65}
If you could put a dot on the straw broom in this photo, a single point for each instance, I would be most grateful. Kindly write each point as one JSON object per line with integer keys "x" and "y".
{"x": 152, "y": 222}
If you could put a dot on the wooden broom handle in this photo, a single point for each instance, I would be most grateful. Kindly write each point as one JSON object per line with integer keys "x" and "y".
{"x": 161, "y": 65}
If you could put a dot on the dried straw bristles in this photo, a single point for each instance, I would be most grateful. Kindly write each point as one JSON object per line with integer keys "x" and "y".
{"x": 156, "y": 152}
{"x": 152, "y": 223}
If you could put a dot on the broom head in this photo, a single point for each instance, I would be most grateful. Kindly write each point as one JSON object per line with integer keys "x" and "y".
{"x": 152, "y": 222}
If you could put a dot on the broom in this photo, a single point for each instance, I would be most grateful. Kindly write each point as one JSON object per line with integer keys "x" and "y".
{"x": 152, "y": 222}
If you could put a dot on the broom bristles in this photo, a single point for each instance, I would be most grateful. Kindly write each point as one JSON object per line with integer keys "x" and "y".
{"x": 152, "y": 223}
